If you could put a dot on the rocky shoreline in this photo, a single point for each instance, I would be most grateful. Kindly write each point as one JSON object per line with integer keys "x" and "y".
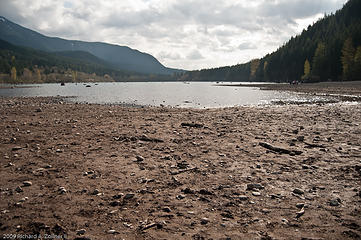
{"x": 88, "y": 171}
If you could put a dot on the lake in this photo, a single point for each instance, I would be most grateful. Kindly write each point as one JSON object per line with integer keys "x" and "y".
{"x": 175, "y": 94}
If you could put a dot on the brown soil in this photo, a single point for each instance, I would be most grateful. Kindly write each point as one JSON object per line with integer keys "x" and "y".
{"x": 163, "y": 173}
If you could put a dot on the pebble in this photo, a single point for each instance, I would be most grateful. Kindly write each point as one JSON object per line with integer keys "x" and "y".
{"x": 18, "y": 189}
{"x": 139, "y": 158}
{"x": 112, "y": 231}
{"x": 62, "y": 190}
{"x": 300, "y": 205}
{"x": 16, "y": 148}
{"x": 298, "y": 191}
{"x": 180, "y": 197}
{"x": 80, "y": 231}
{"x": 335, "y": 202}
{"x": 38, "y": 110}
{"x": 27, "y": 183}
{"x": 243, "y": 198}
{"x": 253, "y": 186}
{"x": 128, "y": 196}
{"x": 256, "y": 193}
{"x": 166, "y": 209}
{"x": 204, "y": 221}
{"x": 95, "y": 192}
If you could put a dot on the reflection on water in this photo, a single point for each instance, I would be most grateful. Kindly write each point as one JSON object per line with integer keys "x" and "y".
{"x": 176, "y": 94}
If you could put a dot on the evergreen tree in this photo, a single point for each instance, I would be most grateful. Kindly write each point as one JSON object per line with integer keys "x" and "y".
{"x": 319, "y": 62}
{"x": 348, "y": 57}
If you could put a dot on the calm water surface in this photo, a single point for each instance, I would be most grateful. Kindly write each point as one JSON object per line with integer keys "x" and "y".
{"x": 175, "y": 94}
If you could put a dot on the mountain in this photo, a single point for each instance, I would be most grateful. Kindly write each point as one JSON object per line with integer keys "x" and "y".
{"x": 27, "y": 58}
{"x": 121, "y": 57}
{"x": 329, "y": 50}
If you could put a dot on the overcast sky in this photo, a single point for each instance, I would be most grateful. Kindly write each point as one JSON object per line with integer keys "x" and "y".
{"x": 187, "y": 34}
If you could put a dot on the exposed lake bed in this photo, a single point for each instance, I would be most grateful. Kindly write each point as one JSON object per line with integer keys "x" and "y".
{"x": 247, "y": 172}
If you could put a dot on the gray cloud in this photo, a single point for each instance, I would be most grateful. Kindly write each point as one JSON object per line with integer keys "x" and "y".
{"x": 211, "y": 33}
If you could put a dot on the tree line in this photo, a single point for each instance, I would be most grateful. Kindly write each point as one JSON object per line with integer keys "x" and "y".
{"x": 330, "y": 50}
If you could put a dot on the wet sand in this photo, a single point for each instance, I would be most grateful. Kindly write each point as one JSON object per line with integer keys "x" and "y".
{"x": 87, "y": 171}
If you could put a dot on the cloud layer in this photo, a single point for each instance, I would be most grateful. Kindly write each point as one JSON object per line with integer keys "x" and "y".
{"x": 188, "y": 34}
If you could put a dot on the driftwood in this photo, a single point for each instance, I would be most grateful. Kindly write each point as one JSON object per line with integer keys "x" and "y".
{"x": 280, "y": 150}
{"x": 312, "y": 145}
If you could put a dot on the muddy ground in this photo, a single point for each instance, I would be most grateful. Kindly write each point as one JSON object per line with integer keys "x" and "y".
{"x": 82, "y": 171}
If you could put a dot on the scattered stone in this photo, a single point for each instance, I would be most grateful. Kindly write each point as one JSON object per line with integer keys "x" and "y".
{"x": 166, "y": 209}
{"x": 115, "y": 203}
{"x": 194, "y": 125}
{"x": 118, "y": 196}
{"x": 188, "y": 191}
{"x": 298, "y": 191}
{"x": 335, "y": 202}
{"x": 112, "y": 231}
{"x": 129, "y": 196}
{"x": 18, "y": 189}
{"x": 158, "y": 225}
{"x": 80, "y": 232}
{"x": 38, "y": 110}
{"x": 253, "y": 186}
{"x": 16, "y": 148}
{"x": 10, "y": 164}
{"x": 180, "y": 197}
{"x": 300, "y": 213}
{"x": 204, "y": 221}
{"x": 27, "y": 184}
{"x": 139, "y": 158}
{"x": 300, "y": 205}
{"x": 62, "y": 190}
{"x": 95, "y": 192}
{"x": 256, "y": 194}
{"x": 205, "y": 192}
{"x": 243, "y": 197}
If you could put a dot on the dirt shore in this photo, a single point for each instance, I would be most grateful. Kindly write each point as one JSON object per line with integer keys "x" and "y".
{"x": 344, "y": 91}
{"x": 86, "y": 171}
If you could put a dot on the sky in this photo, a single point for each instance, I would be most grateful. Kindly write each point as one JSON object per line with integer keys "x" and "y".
{"x": 185, "y": 34}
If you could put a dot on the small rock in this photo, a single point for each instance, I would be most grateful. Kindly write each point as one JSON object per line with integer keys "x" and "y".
{"x": 16, "y": 148}
{"x": 112, "y": 231}
{"x": 118, "y": 196}
{"x": 243, "y": 197}
{"x": 205, "y": 192}
{"x": 38, "y": 110}
{"x": 300, "y": 205}
{"x": 18, "y": 189}
{"x": 139, "y": 158}
{"x": 166, "y": 209}
{"x": 188, "y": 191}
{"x": 298, "y": 191}
{"x": 300, "y": 213}
{"x": 80, "y": 231}
{"x": 180, "y": 197}
{"x": 129, "y": 196}
{"x": 301, "y": 138}
{"x": 253, "y": 186}
{"x": 204, "y": 221}
{"x": 27, "y": 183}
{"x": 115, "y": 203}
{"x": 256, "y": 194}
{"x": 95, "y": 192}
{"x": 62, "y": 190}
{"x": 335, "y": 202}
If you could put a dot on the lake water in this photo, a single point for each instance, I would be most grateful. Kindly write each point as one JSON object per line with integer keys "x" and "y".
{"x": 175, "y": 94}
